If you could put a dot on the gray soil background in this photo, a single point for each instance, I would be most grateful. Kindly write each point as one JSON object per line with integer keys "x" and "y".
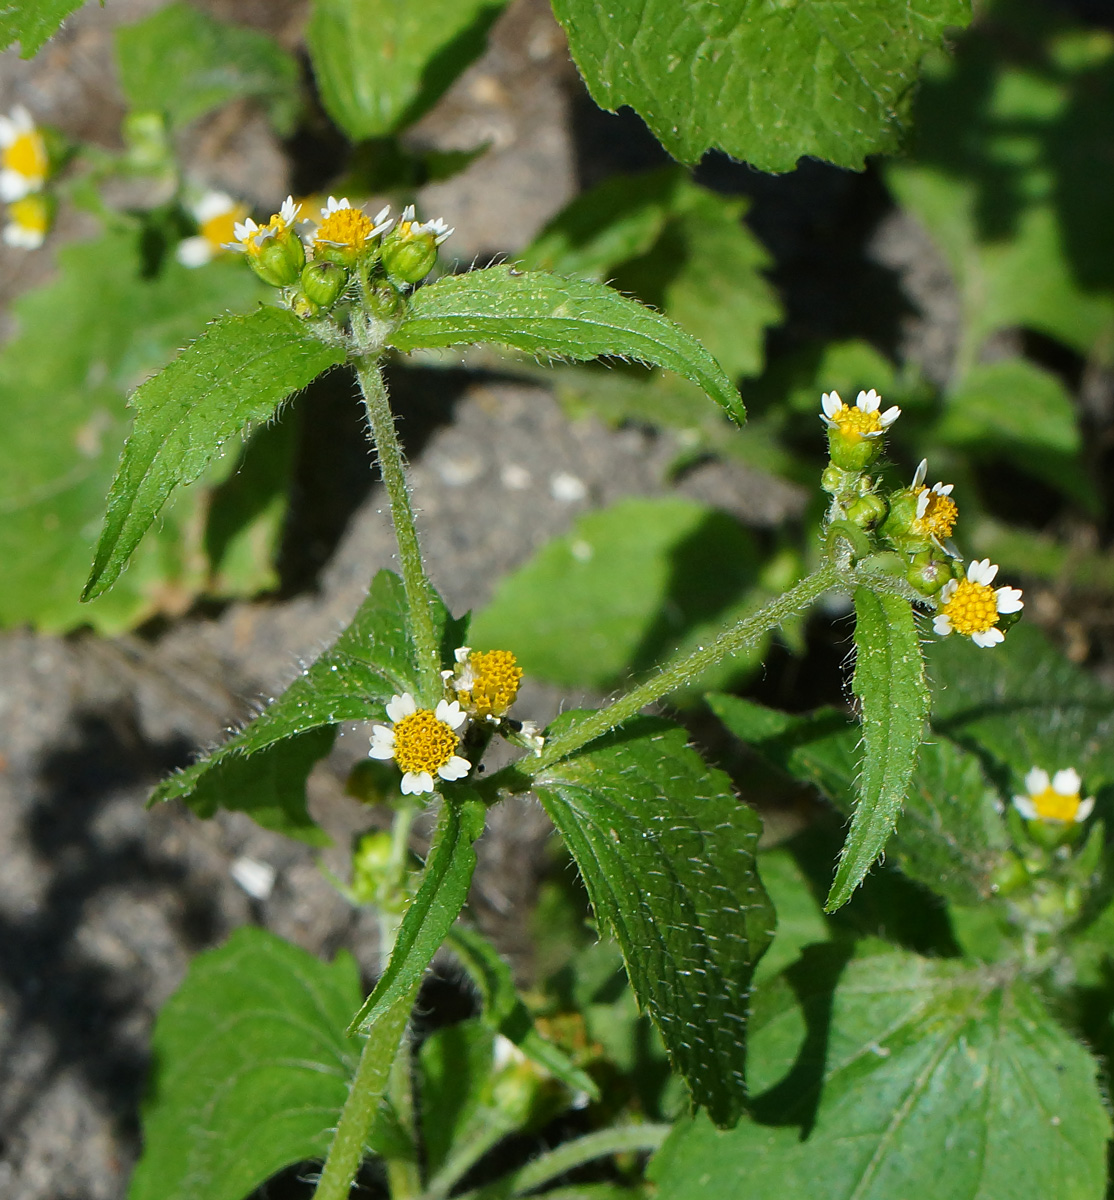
{"x": 102, "y": 903}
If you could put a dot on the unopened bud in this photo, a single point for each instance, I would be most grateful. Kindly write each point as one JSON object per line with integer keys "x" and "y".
{"x": 929, "y": 573}
{"x": 323, "y": 282}
{"x": 867, "y": 511}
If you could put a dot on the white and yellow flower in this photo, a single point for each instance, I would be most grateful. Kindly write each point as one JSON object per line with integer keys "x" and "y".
{"x": 971, "y": 606}
{"x": 28, "y": 222}
{"x": 863, "y": 419}
{"x": 218, "y": 218}
{"x": 344, "y": 232}
{"x": 24, "y": 160}
{"x": 249, "y": 236}
{"x": 423, "y": 742}
{"x": 1056, "y": 799}
{"x": 274, "y": 251}
{"x": 936, "y": 512}
{"x": 410, "y": 227}
{"x": 485, "y": 681}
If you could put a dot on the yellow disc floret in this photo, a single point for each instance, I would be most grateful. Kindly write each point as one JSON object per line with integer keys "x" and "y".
{"x": 972, "y": 608}
{"x": 423, "y": 743}
{"x": 494, "y": 678}
{"x": 1054, "y": 806}
{"x": 349, "y": 227}
{"x": 939, "y": 517}
{"x": 27, "y": 155}
{"x": 855, "y": 422}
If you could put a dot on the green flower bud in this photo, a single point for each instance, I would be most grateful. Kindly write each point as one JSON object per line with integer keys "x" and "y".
{"x": 384, "y": 301}
{"x": 929, "y": 572}
{"x": 410, "y": 249}
{"x": 278, "y": 260}
{"x": 867, "y": 511}
{"x": 303, "y": 306}
{"x": 323, "y": 282}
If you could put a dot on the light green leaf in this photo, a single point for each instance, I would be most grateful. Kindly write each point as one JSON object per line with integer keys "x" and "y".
{"x": 379, "y": 64}
{"x": 763, "y": 84}
{"x": 889, "y": 682}
{"x": 32, "y": 22}
{"x": 252, "y": 1066}
{"x": 434, "y": 908}
{"x": 915, "y": 1078}
{"x": 626, "y": 587}
{"x": 800, "y": 919}
{"x": 263, "y": 768}
{"x": 181, "y": 62}
{"x": 548, "y": 315}
{"x": 667, "y": 854}
{"x": 505, "y": 1012}
{"x": 235, "y": 375}
{"x": 101, "y": 326}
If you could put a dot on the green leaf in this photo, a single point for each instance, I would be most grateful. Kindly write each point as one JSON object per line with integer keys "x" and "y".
{"x": 434, "y": 908}
{"x": 504, "y": 1011}
{"x": 548, "y": 315}
{"x": 379, "y": 65}
{"x": 252, "y": 1066}
{"x": 263, "y": 768}
{"x": 913, "y": 1077}
{"x": 667, "y": 854}
{"x": 32, "y": 22}
{"x": 101, "y": 326}
{"x": 456, "y": 1064}
{"x": 763, "y": 84}
{"x": 889, "y": 682}
{"x": 183, "y": 63}
{"x": 800, "y": 919}
{"x": 628, "y": 585}
{"x": 235, "y": 375}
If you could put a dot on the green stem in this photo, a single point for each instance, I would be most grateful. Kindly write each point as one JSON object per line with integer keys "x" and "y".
{"x": 683, "y": 670}
{"x": 419, "y": 591}
{"x": 622, "y": 1139}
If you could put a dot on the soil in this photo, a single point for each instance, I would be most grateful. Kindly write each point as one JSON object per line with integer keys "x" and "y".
{"x": 102, "y": 903}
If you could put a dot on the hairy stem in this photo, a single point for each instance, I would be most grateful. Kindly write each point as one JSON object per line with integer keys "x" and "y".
{"x": 419, "y": 592}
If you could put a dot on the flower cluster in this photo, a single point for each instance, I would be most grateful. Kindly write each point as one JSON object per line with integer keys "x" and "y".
{"x": 1056, "y": 799}
{"x": 24, "y": 170}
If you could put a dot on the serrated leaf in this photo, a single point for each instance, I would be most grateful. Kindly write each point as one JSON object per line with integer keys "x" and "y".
{"x": 252, "y": 1066}
{"x": 889, "y": 682}
{"x": 379, "y": 65}
{"x": 234, "y": 376}
{"x": 763, "y": 84}
{"x": 505, "y": 1012}
{"x": 434, "y": 908}
{"x": 263, "y": 768}
{"x": 911, "y": 1077}
{"x": 667, "y": 854}
{"x": 548, "y": 315}
{"x": 85, "y": 339}
{"x": 597, "y": 603}
{"x": 183, "y": 63}
{"x": 33, "y": 22}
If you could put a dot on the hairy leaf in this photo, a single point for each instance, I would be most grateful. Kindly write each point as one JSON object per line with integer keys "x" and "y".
{"x": 434, "y": 908}
{"x": 902, "y": 1076}
{"x": 379, "y": 65}
{"x": 667, "y": 854}
{"x": 548, "y": 315}
{"x": 235, "y": 375}
{"x": 889, "y": 682}
{"x": 252, "y": 1066}
{"x": 32, "y": 22}
{"x": 765, "y": 84}
{"x": 181, "y": 62}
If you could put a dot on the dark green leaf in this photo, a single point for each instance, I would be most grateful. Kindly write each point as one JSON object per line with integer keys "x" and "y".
{"x": 505, "y": 1012}
{"x": 763, "y": 84}
{"x": 434, "y": 908}
{"x": 598, "y": 603}
{"x": 32, "y": 22}
{"x": 252, "y": 1066}
{"x": 235, "y": 375}
{"x": 380, "y": 65}
{"x": 889, "y": 682}
{"x": 456, "y": 1064}
{"x": 183, "y": 63}
{"x": 915, "y": 1078}
{"x": 667, "y": 854}
{"x": 266, "y": 764}
{"x": 548, "y": 315}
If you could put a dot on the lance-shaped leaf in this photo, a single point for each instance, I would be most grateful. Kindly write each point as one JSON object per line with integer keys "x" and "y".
{"x": 765, "y": 83}
{"x": 234, "y": 376}
{"x": 545, "y": 314}
{"x": 262, "y": 770}
{"x": 436, "y": 905}
{"x": 889, "y": 682}
{"x": 667, "y": 854}
{"x": 32, "y": 22}
{"x": 252, "y": 1066}
{"x": 900, "y": 1077}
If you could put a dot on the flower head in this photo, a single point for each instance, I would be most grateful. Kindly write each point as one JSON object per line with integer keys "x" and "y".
{"x": 422, "y": 741}
{"x": 274, "y": 251}
{"x": 486, "y": 681}
{"x": 410, "y": 250}
{"x": 218, "y": 217}
{"x": 1054, "y": 800}
{"x": 410, "y": 227}
{"x": 24, "y": 161}
{"x": 863, "y": 420}
{"x": 28, "y": 222}
{"x": 971, "y": 606}
{"x": 344, "y": 233}
{"x": 936, "y": 512}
